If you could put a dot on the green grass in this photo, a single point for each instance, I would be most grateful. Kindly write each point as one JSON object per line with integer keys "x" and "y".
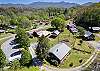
{"x": 25, "y": 69}
{"x": 75, "y": 56}
{"x": 33, "y": 40}
{"x": 64, "y": 35}
{"x": 2, "y": 35}
{"x": 97, "y": 38}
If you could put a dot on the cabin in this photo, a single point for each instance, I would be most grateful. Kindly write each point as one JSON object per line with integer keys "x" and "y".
{"x": 57, "y": 54}
{"x": 54, "y": 34}
{"x": 88, "y": 36}
{"x": 45, "y": 33}
{"x": 72, "y": 28}
{"x": 94, "y": 29}
{"x": 41, "y": 22}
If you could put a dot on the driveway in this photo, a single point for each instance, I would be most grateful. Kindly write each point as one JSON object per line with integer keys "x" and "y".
{"x": 8, "y": 49}
{"x": 12, "y": 52}
{"x": 95, "y": 44}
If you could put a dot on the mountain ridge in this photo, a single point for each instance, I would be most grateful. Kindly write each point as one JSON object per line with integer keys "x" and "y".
{"x": 44, "y": 5}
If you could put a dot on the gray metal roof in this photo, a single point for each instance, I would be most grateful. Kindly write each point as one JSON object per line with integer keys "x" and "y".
{"x": 56, "y": 32}
{"x": 60, "y": 50}
{"x": 87, "y": 33}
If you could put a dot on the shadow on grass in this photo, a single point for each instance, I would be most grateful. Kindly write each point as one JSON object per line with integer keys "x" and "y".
{"x": 51, "y": 29}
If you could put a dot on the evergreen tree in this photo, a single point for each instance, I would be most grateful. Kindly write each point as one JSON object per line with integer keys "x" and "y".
{"x": 25, "y": 58}
{"x": 42, "y": 48}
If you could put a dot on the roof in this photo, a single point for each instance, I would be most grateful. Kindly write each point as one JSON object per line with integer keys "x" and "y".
{"x": 1, "y": 30}
{"x": 95, "y": 28}
{"x": 45, "y": 33}
{"x": 74, "y": 30}
{"x": 56, "y": 32}
{"x": 71, "y": 25}
{"x": 87, "y": 33}
{"x": 60, "y": 50}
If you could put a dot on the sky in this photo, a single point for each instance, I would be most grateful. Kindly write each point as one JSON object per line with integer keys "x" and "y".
{"x": 30, "y": 1}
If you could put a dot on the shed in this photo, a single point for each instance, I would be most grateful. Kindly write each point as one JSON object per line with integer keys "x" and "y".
{"x": 54, "y": 34}
{"x": 59, "y": 52}
{"x": 72, "y": 28}
{"x": 45, "y": 33}
{"x": 89, "y": 36}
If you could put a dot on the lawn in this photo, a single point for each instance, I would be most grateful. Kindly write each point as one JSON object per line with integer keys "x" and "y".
{"x": 97, "y": 38}
{"x": 3, "y": 36}
{"x": 25, "y": 69}
{"x": 62, "y": 36}
{"x": 75, "y": 56}
{"x": 33, "y": 40}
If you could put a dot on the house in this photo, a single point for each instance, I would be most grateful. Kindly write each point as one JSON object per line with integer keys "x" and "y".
{"x": 88, "y": 36}
{"x": 94, "y": 29}
{"x": 41, "y": 22}
{"x": 57, "y": 53}
{"x": 54, "y": 34}
{"x": 72, "y": 28}
{"x": 2, "y": 31}
{"x": 45, "y": 33}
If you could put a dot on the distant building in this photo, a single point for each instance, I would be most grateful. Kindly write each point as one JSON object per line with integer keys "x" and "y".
{"x": 2, "y": 31}
{"x": 45, "y": 33}
{"x": 94, "y": 29}
{"x": 72, "y": 28}
{"x": 58, "y": 53}
{"x": 88, "y": 36}
{"x": 54, "y": 34}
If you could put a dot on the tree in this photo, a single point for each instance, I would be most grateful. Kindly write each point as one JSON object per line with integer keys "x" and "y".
{"x": 13, "y": 22}
{"x": 58, "y": 23}
{"x": 25, "y": 58}
{"x": 42, "y": 48}
{"x": 2, "y": 59}
{"x": 81, "y": 31}
{"x": 14, "y": 66}
{"x": 22, "y": 38}
{"x": 88, "y": 16}
{"x": 24, "y": 22}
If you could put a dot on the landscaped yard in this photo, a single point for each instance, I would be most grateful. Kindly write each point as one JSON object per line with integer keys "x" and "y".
{"x": 76, "y": 57}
